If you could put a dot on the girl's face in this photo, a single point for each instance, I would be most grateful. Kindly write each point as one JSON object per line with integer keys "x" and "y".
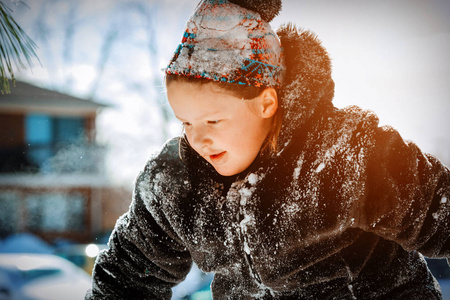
{"x": 225, "y": 130}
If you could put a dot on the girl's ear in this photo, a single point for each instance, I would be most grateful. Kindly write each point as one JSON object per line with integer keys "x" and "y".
{"x": 269, "y": 102}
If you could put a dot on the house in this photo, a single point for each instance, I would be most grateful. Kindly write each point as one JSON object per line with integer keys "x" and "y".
{"x": 52, "y": 178}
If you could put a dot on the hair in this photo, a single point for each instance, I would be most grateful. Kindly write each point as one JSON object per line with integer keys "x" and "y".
{"x": 240, "y": 91}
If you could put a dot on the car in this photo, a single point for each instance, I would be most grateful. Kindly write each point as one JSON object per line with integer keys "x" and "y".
{"x": 445, "y": 287}
{"x": 441, "y": 271}
{"x": 82, "y": 255}
{"x": 31, "y": 276}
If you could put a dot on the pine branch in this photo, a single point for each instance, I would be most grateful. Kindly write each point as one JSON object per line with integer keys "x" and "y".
{"x": 16, "y": 48}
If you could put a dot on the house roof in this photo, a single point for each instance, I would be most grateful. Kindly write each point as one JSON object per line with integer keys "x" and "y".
{"x": 27, "y": 98}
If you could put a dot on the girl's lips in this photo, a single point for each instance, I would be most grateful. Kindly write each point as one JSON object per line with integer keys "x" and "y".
{"x": 217, "y": 157}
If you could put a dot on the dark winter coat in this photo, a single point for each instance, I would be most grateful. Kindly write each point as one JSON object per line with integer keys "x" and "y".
{"x": 341, "y": 212}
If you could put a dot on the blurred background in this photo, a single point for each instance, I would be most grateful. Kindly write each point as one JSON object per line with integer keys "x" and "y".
{"x": 79, "y": 124}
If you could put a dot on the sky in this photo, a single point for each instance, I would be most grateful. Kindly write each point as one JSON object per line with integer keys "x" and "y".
{"x": 387, "y": 56}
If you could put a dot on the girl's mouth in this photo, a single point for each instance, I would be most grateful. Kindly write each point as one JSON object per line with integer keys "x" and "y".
{"x": 216, "y": 157}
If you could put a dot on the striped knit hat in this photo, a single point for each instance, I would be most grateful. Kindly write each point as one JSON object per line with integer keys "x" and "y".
{"x": 231, "y": 43}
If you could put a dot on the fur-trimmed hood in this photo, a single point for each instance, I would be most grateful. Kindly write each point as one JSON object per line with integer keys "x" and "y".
{"x": 307, "y": 84}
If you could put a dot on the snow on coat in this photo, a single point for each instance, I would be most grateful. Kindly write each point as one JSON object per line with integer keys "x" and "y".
{"x": 343, "y": 211}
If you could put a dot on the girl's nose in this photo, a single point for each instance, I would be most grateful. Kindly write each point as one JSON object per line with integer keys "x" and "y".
{"x": 200, "y": 138}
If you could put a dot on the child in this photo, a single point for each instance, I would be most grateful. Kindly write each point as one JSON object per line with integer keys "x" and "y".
{"x": 273, "y": 189}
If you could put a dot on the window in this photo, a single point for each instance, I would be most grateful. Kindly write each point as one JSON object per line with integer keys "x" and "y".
{"x": 38, "y": 137}
{"x": 45, "y": 135}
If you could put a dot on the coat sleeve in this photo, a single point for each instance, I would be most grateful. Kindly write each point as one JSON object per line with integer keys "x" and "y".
{"x": 145, "y": 258}
{"x": 408, "y": 196}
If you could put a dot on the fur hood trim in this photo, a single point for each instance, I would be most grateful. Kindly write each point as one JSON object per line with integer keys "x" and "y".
{"x": 307, "y": 85}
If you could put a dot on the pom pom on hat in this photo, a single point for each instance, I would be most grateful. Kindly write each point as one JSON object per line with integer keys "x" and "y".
{"x": 229, "y": 43}
{"x": 267, "y": 9}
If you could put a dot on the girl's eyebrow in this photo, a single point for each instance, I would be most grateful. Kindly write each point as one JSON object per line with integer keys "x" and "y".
{"x": 205, "y": 116}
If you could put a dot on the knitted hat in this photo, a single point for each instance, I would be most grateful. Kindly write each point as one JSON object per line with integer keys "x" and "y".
{"x": 231, "y": 43}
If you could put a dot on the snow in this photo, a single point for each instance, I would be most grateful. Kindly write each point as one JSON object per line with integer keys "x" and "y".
{"x": 443, "y": 200}
{"x": 320, "y": 167}
{"x": 252, "y": 178}
{"x": 246, "y": 248}
{"x": 350, "y": 288}
{"x": 245, "y": 193}
{"x": 298, "y": 168}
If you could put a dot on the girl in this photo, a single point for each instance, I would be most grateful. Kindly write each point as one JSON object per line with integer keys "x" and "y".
{"x": 273, "y": 189}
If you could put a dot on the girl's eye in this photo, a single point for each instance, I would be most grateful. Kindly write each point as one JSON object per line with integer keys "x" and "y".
{"x": 186, "y": 124}
{"x": 213, "y": 122}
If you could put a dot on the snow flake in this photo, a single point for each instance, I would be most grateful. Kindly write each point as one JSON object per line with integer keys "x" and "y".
{"x": 252, "y": 178}
{"x": 244, "y": 222}
{"x": 350, "y": 288}
{"x": 112, "y": 275}
{"x": 444, "y": 200}
{"x": 298, "y": 168}
{"x": 245, "y": 194}
{"x": 246, "y": 247}
{"x": 320, "y": 167}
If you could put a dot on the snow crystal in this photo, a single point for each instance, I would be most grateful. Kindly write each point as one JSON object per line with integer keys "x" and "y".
{"x": 296, "y": 173}
{"x": 435, "y": 216}
{"x": 156, "y": 181}
{"x": 262, "y": 294}
{"x": 245, "y": 193}
{"x": 244, "y": 222}
{"x": 246, "y": 248}
{"x": 443, "y": 200}
{"x": 350, "y": 288}
{"x": 298, "y": 168}
{"x": 252, "y": 178}
{"x": 320, "y": 167}
{"x": 112, "y": 275}
{"x": 291, "y": 209}
{"x": 243, "y": 225}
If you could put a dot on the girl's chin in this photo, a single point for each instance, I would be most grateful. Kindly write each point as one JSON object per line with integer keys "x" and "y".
{"x": 224, "y": 171}
{"x": 227, "y": 173}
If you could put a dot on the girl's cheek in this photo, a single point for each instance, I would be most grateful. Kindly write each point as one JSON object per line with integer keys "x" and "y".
{"x": 188, "y": 136}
